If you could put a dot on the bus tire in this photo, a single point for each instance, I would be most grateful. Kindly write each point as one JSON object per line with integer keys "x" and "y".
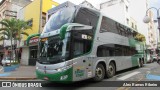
{"x": 158, "y": 61}
{"x": 111, "y": 70}
{"x": 99, "y": 73}
{"x": 140, "y": 63}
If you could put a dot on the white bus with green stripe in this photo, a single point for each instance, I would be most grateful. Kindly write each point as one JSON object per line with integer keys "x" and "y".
{"x": 79, "y": 43}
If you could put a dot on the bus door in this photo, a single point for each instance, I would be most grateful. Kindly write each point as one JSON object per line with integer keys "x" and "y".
{"x": 81, "y": 48}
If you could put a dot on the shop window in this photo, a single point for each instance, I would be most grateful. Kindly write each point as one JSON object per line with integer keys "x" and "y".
{"x": 33, "y": 52}
{"x": 30, "y": 22}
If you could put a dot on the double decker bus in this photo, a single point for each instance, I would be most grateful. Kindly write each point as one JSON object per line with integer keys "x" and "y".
{"x": 79, "y": 43}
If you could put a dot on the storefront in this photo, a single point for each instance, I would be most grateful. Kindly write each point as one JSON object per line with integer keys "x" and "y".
{"x": 33, "y": 55}
{"x": 29, "y": 53}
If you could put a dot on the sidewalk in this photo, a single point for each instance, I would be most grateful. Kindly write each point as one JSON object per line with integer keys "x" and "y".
{"x": 21, "y": 73}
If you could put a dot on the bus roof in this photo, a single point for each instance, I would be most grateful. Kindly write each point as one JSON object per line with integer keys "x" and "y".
{"x": 61, "y": 6}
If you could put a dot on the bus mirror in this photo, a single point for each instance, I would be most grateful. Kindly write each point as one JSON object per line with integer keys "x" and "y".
{"x": 64, "y": 28}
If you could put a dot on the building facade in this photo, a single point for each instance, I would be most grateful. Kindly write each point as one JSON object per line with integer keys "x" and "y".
{"x": 152, "y": 32}
{"x": 35, "y": 14}
{"x": 117, "y": 9}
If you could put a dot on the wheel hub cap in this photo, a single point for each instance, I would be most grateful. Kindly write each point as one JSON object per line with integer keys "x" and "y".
{"x": 99, "y": 72}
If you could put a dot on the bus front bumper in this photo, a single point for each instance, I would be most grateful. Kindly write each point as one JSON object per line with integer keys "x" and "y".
{"x": 64, "y": 76}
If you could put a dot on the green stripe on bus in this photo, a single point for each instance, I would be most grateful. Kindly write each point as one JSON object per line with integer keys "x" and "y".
{"x": 134, "y": 61}
{"x": 57, "y": 76}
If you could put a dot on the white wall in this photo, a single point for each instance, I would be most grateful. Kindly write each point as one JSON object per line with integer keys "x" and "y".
{"x": 20, "y": 14}
{"x": 116, "y": 12}
{"x": 25, "y": 56}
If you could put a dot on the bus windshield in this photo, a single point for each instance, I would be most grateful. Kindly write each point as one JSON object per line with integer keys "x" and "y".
{"x": 53, "y": 50}
{"x": 59, "y": 18}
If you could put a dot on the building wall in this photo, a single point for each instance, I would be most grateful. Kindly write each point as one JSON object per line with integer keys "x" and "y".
{"x": 5, "y": 7}
{"x": 133, "y": 23}
{"x": 152, "y": 31}
{"x": 32, "y": 11}
{"x": 111, "y": 11}
{"x": 25, "y": 56}
{"x": 48, "y": 4}
{"x": 11, "y": 7}
{"x": 116, "y": 10}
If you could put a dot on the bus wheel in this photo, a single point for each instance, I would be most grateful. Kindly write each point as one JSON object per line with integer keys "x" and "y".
{"x": 111, "y": 70}
{"x": 140, "y": 63}
{"x": 158, "y": 62}
{"x": 99, "y": 73}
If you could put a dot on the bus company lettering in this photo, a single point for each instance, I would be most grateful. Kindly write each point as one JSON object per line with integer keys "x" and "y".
{"x": 79, "y": 73}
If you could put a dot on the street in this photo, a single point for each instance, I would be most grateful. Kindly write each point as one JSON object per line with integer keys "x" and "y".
{"x": 133, "y": 74}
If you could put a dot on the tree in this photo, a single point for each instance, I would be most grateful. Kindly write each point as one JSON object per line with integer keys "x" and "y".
{"x": 7, "y": 30}
{"x": 21, "y": 26}
{"x": 12, "y": 30}
{"x": 140, "y": 37}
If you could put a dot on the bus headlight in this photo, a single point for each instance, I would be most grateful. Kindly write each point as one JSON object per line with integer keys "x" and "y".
{"x": 65, "y": 68}
{"x": 59, "y": 69}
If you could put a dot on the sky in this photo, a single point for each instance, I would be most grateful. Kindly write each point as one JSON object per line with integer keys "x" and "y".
{"x": 155, "y": 3}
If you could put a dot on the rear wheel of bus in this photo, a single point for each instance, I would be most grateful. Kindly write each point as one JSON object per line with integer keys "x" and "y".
{"x": 141, "y": 63}
{"x": 111, "y": 70}
{"x": 99, "y": 73}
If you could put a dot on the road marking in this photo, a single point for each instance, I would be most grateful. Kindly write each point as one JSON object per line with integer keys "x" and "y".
{"x": 152, "y": 77}
{"x": 4, "y": 74}
{"x": 145, "y": 68}
{"x": 128, "y": 76}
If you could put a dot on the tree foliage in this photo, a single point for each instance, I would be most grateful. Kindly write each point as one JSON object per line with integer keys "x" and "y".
{"x": 140, "y": 37}
{"x": 12, "y": 29}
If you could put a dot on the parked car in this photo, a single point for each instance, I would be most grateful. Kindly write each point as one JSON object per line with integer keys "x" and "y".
{"x": 7, "y": 61}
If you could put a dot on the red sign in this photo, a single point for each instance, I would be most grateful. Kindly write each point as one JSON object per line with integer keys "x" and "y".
{"x": 32, "y": 41}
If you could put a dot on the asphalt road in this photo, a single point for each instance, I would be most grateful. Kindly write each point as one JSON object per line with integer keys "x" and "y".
{"x": 134, "y": 74}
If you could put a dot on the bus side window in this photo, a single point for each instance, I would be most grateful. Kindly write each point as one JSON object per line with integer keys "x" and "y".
{"x": 87, "y": 18}
{"x": 103, "y": 51}
{"x": 103, "y": 25}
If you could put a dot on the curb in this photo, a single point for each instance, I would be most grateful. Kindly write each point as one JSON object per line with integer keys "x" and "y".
{"x": 18, "y": 78}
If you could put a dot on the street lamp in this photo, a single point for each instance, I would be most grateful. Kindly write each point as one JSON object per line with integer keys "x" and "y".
{"x": 147, "y": 19}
